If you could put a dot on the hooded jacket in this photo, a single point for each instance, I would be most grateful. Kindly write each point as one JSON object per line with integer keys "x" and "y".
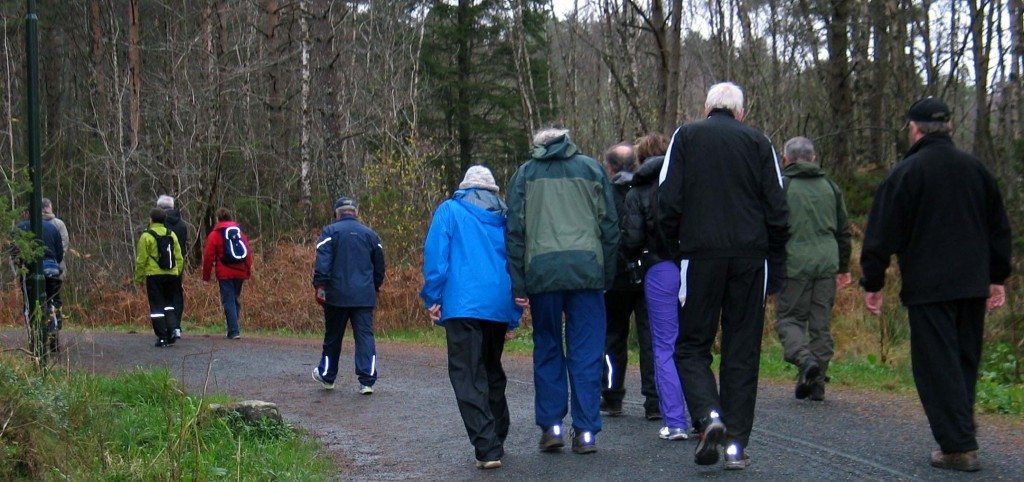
{"x": 213, "y": 253}
{"x": 465, "y": 265}
{"x": 563, "y": 231}
{"x": 146, "y": 255}
{"x": 641, "y": 238}
{"x": 622, "y": 184}
{"x": 349, "y": 264}
{"x": 53, "y": 246}
{"x": 819, "y": 231}
{"x": 721, "y": 195}
{"x": 175, "y": 224}
{"x": 941, "y": 213}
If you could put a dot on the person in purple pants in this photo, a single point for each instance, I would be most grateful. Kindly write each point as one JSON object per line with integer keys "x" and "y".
{"x": 640, "y": 240}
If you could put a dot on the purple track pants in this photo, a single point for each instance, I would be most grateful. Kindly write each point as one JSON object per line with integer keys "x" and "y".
{"x": 661, "y": 287}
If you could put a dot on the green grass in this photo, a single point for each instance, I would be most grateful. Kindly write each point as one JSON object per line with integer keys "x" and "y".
{"x": 140, "y": 425}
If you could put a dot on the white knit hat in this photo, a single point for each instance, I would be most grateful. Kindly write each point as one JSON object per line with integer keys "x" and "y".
{"x": 479, "y": 177}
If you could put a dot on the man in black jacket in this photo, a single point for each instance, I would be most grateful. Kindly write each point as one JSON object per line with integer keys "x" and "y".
{"x": 941, "y": 213}
{"x": 623, "y": 301}
{"x": 180, "y": 229}
{"x": 722, "y": 209}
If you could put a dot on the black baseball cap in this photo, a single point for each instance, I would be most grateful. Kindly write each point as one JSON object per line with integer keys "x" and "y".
{"x": 929, "y": 109}
{"x": 345, "y": 202}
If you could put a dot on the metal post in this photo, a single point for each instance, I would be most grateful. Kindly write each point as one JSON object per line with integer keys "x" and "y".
{"x": 36, "y": 282}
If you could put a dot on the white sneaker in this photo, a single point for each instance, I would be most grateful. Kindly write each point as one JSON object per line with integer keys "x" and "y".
{"x": 672, "y": 434}
{"x": 176, "y": 334}
{"x": 365, "y": 390}
{"x": 317, "y": 377}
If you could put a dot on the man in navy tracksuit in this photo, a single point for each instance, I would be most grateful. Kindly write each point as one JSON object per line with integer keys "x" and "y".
{"x": 348, "y": 272}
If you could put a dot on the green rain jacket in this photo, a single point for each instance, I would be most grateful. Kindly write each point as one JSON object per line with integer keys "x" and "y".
{"x": 146, "y": 256}
{"x": 563, "y": 231}
{"x": 819, "y": 242}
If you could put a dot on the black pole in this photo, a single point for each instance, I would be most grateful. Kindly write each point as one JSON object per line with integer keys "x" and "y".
{"x": 36, "y": 282}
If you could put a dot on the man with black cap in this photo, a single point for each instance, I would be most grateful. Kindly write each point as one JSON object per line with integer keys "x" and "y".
{"x": 941, "y": 213}
{"x": 347, "y": 275}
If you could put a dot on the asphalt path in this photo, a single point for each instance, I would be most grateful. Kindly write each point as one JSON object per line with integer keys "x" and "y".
{"x": 410, "y": 427}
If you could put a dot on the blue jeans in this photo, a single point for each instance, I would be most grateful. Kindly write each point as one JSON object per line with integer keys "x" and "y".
{"x": 230, "y": 292}
{"x": 585, "y": 325}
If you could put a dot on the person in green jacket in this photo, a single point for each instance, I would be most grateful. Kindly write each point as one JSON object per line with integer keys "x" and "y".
{"x": 817, "y": 265}
{"x": 158, "y": 263}
{"x": 562, "y": 240}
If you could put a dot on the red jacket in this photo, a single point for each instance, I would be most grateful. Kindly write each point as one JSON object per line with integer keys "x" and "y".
{"x": 214, "y": 252}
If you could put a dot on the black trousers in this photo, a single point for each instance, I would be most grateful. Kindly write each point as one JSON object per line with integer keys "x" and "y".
{"x": 945, "y": 350}
{"x": 620, "y": 305}
{"x": 730, "y": 291}
{"x": 178, "y": 302}
{"x": 474, "y": 367}
{"x": 160, "y": 290}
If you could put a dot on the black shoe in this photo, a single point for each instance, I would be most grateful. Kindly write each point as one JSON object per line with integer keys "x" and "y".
{"x": 652, "y": 414}
{"x": 611, "y": 409}
{"x": 735, "y": 457}
{"x": 818, "y": 391}
{"x": 551, "y": 440}
{"x": 809, "y": 371}
{"x": 161, "y": 343}
{"x": 707, "y": 449}
{"x": 583, "y": 442}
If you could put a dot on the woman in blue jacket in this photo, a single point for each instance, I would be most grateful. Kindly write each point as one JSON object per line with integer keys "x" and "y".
{"x": 467, "y": 290}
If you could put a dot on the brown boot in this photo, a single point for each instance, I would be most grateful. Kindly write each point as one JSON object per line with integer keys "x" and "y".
{"x": 962, "y": 461}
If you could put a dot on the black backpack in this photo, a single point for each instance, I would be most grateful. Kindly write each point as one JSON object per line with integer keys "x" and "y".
{"x": 164, "y": 249}
{"x": 235, "y": 249}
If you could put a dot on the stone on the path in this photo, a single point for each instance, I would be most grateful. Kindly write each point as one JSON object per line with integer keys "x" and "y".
{"x": 252, "y": 412}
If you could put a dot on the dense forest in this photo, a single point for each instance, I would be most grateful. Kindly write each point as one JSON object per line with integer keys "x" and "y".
{"x": 276, "y": 107}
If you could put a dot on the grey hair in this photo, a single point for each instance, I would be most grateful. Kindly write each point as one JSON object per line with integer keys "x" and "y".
{"x": 548, "y": 134}
{"x": 725, "y": 95}
{"x": 799, "y": 149}
{"x": 618, "y": 161}
{"x": 47, "y": 203}
{"x": 934, "y": 127}
{"x": 165, "y": 201}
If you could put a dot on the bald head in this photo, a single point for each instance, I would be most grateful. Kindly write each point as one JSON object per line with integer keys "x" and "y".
{"x": 619, "y": 158}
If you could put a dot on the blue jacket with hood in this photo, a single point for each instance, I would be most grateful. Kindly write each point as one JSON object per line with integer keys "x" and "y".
{"x": 465, "y": 265}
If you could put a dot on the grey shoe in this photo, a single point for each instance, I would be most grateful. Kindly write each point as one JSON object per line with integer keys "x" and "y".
{"x": 488, "y": 464}
{"x": 673, "y": 434}
{"x": 317, "y": 377}
{"x": 176, "y": 334}
{"x": 551, "y": 440}
{"x": 584, "y": 443}
{"x": 735, "y": 457}
{"x": 365, "y": 390}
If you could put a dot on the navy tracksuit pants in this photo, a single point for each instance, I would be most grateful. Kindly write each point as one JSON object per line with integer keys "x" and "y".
{"x": 336, "y": 318}
{"x": 579, "y": 367}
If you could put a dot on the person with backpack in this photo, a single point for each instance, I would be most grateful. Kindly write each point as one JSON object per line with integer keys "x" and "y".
{"x": 158, "y": 263}
{"x": 174, "y": 222}
{"x": 227, "y": 247}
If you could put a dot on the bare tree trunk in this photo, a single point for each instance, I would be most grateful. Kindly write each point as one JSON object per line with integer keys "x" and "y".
{"x": 307, "y": 117}
{"x": 464, "y": 66}
{"x": 524, "y": 71}
{"x": 134, "y": 74}
{"x": 1017, "y": 66}
{"x": 675, "y": 48}
{"x": 96, "y": 19}
{"x": 980, "y": 43}
{"x": 837, "y": 73}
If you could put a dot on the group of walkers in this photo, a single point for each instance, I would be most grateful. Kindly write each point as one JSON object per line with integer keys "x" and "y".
{"x": 160, "y": 262}
{"x": 695, "y": 237}
{"x": 679, "y": 235}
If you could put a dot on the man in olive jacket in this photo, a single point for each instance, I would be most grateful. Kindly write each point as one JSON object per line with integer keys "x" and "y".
{"x": 817, "y": 264}
{"x": 563, "y": 236}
